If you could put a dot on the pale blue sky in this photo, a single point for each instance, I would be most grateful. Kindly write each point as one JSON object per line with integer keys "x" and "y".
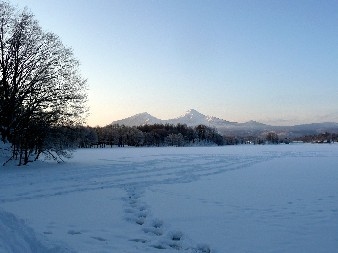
{"x": 271, "y": 61}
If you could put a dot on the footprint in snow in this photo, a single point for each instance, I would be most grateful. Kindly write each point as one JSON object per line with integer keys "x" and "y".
{"x": 74, "y": 232}
{"x": 98, "y": 238}
{"x": 153, "y": 230}
{"x": 139, "y": 240}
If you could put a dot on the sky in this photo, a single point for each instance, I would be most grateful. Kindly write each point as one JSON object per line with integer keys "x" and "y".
{"x": 273, "y": 61}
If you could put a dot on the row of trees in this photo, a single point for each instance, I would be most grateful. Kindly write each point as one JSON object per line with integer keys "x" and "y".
{"x": 165, "y": 135}
{"x": 319, "y": 138}
{"x": 41, "y": 90}
{"x": 149, "y": 135}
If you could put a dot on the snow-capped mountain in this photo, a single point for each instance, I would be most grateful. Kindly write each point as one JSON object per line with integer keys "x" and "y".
{"x": 254, "y": 128}
{"x": 139, "y": 120}
{"x": 194, "y": 118}
{"x": 190, "y": 118}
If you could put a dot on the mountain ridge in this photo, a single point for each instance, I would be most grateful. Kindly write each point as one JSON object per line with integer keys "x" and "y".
{"x": 193, "y": 118}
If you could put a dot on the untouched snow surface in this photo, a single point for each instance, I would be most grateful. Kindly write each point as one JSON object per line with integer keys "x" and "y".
{"x": 280, "y": 198}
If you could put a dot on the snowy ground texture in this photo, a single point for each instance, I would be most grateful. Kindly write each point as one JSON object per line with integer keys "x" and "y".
{"x": 281, "y": 198}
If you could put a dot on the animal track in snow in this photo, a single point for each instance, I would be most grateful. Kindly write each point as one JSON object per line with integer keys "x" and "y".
{"x": 158, "y": 235}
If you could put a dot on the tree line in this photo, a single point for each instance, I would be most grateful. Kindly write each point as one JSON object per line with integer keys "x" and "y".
{"x": 157, "y": 135}
{"x": 148, "y": 135}
{"x": 319, "y": 138}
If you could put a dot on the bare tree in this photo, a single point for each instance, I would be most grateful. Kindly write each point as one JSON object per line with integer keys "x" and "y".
{"x": 40, "y": 84}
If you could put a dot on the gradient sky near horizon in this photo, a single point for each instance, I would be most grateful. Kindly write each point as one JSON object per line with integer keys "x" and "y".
{"x": 267, "y": 60}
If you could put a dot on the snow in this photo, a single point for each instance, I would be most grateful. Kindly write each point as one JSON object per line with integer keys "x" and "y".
{"x": 245, "y": 198}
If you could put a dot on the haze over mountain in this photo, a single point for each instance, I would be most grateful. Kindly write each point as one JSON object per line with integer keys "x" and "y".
{"x": 194, "y": 118}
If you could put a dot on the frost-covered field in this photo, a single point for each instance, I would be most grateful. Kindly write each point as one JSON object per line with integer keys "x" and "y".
{"x": 246, "y": 198}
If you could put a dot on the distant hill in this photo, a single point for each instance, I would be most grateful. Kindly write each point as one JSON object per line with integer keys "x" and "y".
{"x": 190, "y": 118}
{"x": 254, "y": 128}
{"x": 139, "y": 119}
{"x": 195, "y": 118}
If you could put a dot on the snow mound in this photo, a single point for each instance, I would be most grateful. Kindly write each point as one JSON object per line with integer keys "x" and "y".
{"x": 16, "y": 236}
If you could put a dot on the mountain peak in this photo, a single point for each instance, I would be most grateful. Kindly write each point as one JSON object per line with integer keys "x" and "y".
{"x": 191, "y": 118}
{"x": 138, "y": 120}
{"x": 145, "y": 114}
{"x": 192, "y": 111}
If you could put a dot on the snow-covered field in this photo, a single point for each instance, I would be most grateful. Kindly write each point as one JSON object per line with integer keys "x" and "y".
{"x": 281, "y": 198}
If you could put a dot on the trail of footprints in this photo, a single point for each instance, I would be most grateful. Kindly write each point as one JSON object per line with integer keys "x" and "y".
{"x": 156, "y": 235}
